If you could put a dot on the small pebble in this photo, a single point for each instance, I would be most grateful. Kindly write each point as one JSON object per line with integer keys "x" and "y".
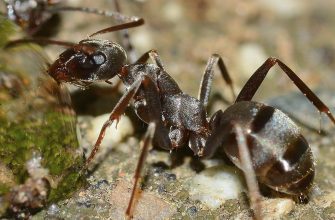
{"x": 215, "y": 185}
{"x": 277, "y": 208}
{"x": 114, "y": 134}
{"x": 53, "y": 213}
{"x": 172, "y": 11}
{"x": 157, "y": 171}
{"x": 284, "y": 8}
{"x": 84, "y": 203}
{"x": 192, "y": 210}
{"x": 161, "y": 189}
{"x": 102, "y": 182}
{"x": 170, "y": 176}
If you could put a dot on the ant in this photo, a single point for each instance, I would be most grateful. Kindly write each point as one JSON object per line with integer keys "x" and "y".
{"x": 259, "y": 139}
{"x": 33, "y": 15}
{"x": 30, "y": 15}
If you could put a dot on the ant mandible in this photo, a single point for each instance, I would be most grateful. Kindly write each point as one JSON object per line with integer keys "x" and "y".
{"x": 259, "y": 139}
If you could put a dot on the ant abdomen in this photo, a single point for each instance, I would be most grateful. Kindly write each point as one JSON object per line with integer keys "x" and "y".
{"x": 281, "y": 157}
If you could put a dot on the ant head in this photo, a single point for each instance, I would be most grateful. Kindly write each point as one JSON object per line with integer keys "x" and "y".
{"x": 88, "y": 61}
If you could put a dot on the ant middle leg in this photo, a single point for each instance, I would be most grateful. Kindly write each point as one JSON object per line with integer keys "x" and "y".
{"x": 151, "y": 101}
{"x": 254, "y": 82}
{"x": 146, "y": 140}
{"x": 207, "y": 78}
{"x": 156, "y": 130}
{"x": 214, "y": 142}
{"x": 153, "y": 55}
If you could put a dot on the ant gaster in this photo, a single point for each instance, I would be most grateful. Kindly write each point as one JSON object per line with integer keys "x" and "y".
{"x": 259, "y": 139}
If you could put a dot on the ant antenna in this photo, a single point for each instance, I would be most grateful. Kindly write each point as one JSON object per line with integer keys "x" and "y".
{"x": 123, "y": 26}
{"x": 113, "y": 14}
{"x": 70, "y": 44}
{"x": 40, "y": 41}
{"x": 130, "y": 21}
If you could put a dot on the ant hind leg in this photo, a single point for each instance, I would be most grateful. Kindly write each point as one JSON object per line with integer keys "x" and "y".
{"x": 254, "y": 82}
{"x": 249, "y": 172}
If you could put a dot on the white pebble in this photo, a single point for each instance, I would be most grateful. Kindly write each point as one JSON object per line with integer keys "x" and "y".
{"x": 276, "y": 208}
{"x": 113, "y": 135}
{"x": 284, "y": 8}
{"x": 172, "y": 11}
{"x": 215, "y": 185}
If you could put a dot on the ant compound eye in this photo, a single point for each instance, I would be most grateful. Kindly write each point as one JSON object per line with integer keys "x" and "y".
{"x": 99, "y": 58}
{"x": 87, "y": 63}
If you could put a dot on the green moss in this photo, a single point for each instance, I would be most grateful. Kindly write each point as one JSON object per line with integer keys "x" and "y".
{"x": 7, "y": 28}
{"x": 4, "y": 188}
{"x": 54, "y": 138}
{"x": 67, "y": 186}
{"x": 48, "y": 136}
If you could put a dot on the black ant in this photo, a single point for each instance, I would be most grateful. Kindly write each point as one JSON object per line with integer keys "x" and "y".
{"x": 259, "y": 139}
{"x": 33, "y": 15}
{"x": 30, "y": 15}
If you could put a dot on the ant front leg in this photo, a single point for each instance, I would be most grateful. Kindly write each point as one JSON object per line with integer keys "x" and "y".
{"x": 254, "y": 82}
{"x": 207, "y": 78}
{"x": 152, "y": 102}
{"x": 115, "y": 115}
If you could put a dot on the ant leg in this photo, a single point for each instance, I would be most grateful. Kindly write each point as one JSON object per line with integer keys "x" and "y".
{"x": 254, "y": 82}
{"x": 115, "y": 115}
{"x": 129, "y": 21}
{"x": 207, "y": 78}
{"x": 150, "y": 108}
{"x": 146, "y": 140}
{"x": 144, "y": 58}
{"x": 215, "y": 141}
{"x": 152, "y": 100}
{"x": 153, "y": 55}
{"x": 249, "y": 172}
{"x": 126, "y": 39}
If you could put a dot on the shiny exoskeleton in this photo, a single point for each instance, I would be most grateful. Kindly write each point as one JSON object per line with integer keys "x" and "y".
{"x": 280, "y": 156}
